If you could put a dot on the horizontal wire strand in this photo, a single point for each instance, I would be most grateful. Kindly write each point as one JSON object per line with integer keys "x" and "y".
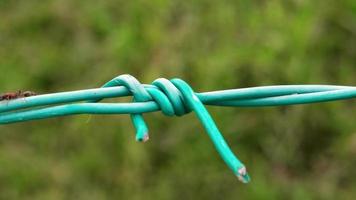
{"x": 209, "y": 98}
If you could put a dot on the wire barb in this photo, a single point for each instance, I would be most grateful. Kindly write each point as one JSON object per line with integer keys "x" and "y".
{"x": 173, "y": 98}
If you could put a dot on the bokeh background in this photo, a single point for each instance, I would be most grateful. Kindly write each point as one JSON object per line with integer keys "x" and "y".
{"x": 293, "y": 152}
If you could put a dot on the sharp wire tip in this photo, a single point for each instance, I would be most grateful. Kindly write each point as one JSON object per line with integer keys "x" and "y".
{"x": 242, "y": 175}
{"x": 145, "y": 138}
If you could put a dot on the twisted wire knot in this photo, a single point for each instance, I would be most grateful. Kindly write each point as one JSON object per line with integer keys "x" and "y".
{"x": 162, "y": 91}
{"x": 176, "y": 97}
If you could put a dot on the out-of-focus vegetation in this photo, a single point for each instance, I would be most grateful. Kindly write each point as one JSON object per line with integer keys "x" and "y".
{"x": 294, "y": 152}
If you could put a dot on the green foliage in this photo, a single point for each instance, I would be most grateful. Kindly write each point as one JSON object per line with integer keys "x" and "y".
{"x": 294, "y": 152}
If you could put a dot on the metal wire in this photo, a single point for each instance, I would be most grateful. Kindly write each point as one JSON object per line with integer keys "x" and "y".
{"x": 172, "y": 97}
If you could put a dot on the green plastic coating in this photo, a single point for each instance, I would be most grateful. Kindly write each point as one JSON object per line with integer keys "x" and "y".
{"x": 140, "y": 94}
{"x": 224, "y": 150}
{"x": 173, "y": 98}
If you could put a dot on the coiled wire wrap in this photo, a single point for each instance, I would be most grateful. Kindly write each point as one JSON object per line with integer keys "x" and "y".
{"x": 172, "y": 97}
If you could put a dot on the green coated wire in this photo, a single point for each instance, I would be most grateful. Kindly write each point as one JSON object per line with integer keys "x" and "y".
{"x": 172, "y": 97}
{"x": 224, "y": 150}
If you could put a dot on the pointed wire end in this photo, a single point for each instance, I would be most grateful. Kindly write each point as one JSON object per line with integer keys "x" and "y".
{"x": 242, "y": 175}
{"x": 142, "y": 138}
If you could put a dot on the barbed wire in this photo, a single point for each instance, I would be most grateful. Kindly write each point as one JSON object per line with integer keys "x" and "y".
{"x": 174, "y": 98}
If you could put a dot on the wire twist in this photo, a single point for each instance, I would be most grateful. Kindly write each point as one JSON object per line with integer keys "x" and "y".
{"x": 162, "y": 91}
{"x": 174, "y": 98}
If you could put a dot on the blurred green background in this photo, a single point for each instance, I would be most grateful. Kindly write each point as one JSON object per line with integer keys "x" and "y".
{"x": 294, "y": 152}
